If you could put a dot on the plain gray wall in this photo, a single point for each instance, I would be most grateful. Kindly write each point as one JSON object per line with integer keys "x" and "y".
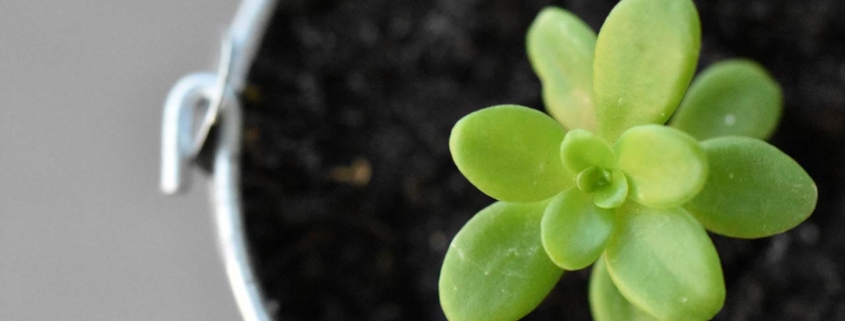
{"x": 84, "y": 233}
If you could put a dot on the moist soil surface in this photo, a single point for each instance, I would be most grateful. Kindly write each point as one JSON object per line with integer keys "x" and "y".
{"x": 351, "y": 196}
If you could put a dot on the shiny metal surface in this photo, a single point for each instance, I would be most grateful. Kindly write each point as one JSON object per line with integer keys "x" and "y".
{"x": 181, "y": 145}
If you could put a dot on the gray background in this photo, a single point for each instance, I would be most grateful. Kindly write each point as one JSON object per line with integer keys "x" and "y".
{"x": 84, "y": 233}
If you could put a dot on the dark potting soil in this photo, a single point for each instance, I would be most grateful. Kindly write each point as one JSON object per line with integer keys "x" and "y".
{"x": 351, "y": 196}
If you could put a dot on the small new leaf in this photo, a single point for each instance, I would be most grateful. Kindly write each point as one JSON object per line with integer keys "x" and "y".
{"x": 581, "y": 149}
{"x": 614, "y": 194}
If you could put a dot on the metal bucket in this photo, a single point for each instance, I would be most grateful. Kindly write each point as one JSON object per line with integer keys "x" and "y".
{"x": 182, "y": 144}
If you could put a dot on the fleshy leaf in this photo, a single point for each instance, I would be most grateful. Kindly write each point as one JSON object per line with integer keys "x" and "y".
{"x": 592, "y": 179}
{"x": 663, "y": 262}
{"x": 665, "y": 166}
{"x": 511, "y": 153}
{"x": 613, "y": 195}
{"x": 581, "y": 149}
{"x": 736, "y": 97}
{"x": 645, "y": 58}
{"x": 753, "y": 189}
{"x": 574, "y": 231}
{"x": 496, "y": 268}
{"x": 606, "y": 303}
{"x": 560, "y": 48}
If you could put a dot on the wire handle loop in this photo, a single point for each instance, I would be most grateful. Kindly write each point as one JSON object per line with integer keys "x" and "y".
{"x": 180, "y": 146}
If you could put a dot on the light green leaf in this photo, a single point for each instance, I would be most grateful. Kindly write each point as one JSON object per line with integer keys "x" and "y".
{"x": 560, "y": 48}
{"x": 663, "y": 262}
{"x": 592, "y": 179}
{"x": 496, "y": 268}
{"x": 574, "y": 231}
{"x": 581, "y": 149}
{"x": 606, "y": 303}
{"x": 646, "y": 55}
{"x": 613, "y": 195}
{"x": 736, "y": 97}
{"x": 665, "y": 166}
{"x": 753, "y": 190}
{"x": 511, "y": 153}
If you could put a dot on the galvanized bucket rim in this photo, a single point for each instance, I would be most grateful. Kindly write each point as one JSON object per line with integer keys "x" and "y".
{"x": 181, "y": 145}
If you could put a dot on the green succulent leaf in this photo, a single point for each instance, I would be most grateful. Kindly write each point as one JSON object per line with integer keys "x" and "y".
{"x": 663, "y": 262}
{"x": 560, "y": 48}
{"x": 496, "y": 268}
{"x": 511, "y": 153}
{"x": 592, "y": 179}
{"x": 736, "y": 97}
{"x": 574, "y": 231}
{"x": 606, "y": 303}
{"x": 581, "y": 149}
{"x": 645, "y": 58}
{"x": 665, "y": 166}
{"x": 614, "y": 194}
{"x": 753, "y": 189}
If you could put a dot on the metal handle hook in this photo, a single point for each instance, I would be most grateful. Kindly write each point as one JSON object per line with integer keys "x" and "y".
{"x": 177, "y": 140}
{"x": 177, "y": 158}
{"x": 180, "y": 146}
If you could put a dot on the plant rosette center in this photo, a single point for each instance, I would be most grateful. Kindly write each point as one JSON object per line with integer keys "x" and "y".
{"x": 664, "y": 166}
{"x": 584, "y": 179}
